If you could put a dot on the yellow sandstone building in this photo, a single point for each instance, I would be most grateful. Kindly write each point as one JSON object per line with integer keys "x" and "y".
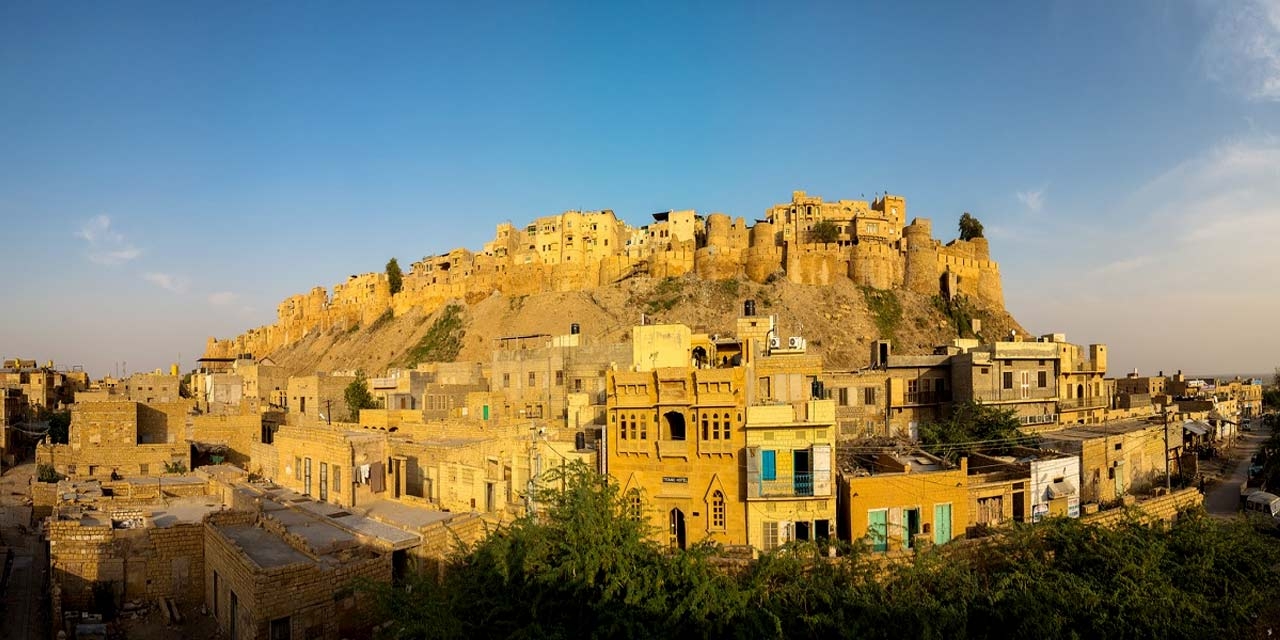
{"x": 723, "y": 440}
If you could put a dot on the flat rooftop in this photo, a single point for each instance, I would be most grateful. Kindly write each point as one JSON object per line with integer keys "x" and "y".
{"x": 1091, "y": 431}
{"x": 185, "y": 510}
{"x": 266, "y": 549}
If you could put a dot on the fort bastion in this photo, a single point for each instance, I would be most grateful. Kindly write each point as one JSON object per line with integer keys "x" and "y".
{"x": 872, "y": 245}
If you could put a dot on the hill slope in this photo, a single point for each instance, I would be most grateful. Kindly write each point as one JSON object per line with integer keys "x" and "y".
{"x": 839, "y": 320}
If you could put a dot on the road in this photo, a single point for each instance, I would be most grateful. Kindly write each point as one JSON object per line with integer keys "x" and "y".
{"x": 1223, "y": 499}
{"x": 22, "y": 599}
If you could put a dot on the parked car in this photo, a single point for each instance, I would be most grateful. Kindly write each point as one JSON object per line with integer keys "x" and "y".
{"x": 1263, "y": 503}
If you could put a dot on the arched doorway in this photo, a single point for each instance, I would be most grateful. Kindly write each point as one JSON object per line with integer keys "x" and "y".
{"x": 1080, "y": 391}
{"x": 699, "y": 357}
{"x": 675, "y": 425}
{"x": 675, "y": 529}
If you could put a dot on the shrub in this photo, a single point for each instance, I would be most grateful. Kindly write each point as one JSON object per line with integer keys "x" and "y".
{"x": 443, "y": 340}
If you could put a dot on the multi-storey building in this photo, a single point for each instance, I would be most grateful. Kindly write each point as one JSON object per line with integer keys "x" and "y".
{"x": 683, "y": 478}
{"x": 790, "y": 438}
{"x": 728, "y": 440}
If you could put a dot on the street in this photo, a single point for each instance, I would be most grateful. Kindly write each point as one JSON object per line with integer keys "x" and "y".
{"x": 1223, "y": 498}
{"x": 22, "y": 599}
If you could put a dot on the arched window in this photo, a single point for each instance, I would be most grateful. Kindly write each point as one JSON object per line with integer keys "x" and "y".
{"x": 717, "y": 510}
{"x": 675, "y": 425}
{"x": 724, "y": 434}
{"x": 706, "y": 434}
{"x": 622, "y": 426}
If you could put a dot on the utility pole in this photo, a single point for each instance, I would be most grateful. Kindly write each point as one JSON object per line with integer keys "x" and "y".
{"x": 328, "y": 412}
{"x": 1168, "y": 479}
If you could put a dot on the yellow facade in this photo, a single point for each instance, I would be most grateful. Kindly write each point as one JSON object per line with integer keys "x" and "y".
{"x": 899, "y": 507}
{"x": 789, "y": 473}
{"x": 675, "y": 439}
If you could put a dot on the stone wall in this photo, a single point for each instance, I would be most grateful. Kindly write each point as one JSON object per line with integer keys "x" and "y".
{"x": 320, "y": 600}
{"x": 136, "y": 564}
{"x": 1164, "y": 507}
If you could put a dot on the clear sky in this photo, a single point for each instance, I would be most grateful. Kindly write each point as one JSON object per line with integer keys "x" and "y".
{"x": 170, "y": 171}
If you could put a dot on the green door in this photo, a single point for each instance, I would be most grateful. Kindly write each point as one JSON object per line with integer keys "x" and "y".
{"x": 878, "y": 529}
{"x": 941, "y": 523}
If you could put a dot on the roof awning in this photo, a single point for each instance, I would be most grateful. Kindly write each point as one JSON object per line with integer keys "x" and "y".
{"x": 1196, "y": 427}
{"x": 1061, "y": 489}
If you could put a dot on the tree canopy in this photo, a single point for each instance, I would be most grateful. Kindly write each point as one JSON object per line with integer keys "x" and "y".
{"x": 970, "y": 228}
{"x": 394, "y": 277}
{"x": 358, "y": 397}
{"x": 583, "y": 569}
{"x": 59, "y": 427}
{"x": 824, "y": 231}
{"x": 972, "y": 425}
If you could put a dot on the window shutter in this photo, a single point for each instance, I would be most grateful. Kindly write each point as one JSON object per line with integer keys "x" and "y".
{"x": 822, "y": 470}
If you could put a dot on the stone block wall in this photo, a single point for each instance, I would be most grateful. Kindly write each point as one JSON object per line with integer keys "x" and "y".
{"x": 136, "y": 564}
{"x": 319, "y": 599}
{"x": 1164, "y": 507}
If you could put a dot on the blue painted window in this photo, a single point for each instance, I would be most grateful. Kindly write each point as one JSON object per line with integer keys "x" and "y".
{"x": 768, "y": 465}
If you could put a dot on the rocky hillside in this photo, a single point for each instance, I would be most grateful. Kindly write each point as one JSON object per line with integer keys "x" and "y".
{"x": 839, "y": 320}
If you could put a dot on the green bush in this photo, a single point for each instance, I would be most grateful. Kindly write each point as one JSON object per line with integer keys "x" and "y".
{"x": 885, "y": 310}
{"x": 46, "y": 473}
{"x": 583, "y": 568}
{"x": 443, "y": 340}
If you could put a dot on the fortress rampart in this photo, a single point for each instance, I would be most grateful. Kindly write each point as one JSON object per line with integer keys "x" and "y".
{"x": 808, "y": 241}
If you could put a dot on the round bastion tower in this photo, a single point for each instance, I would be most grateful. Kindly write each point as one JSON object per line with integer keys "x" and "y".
{"x": 764, "y": 255}
{"x": 922, "y": 257}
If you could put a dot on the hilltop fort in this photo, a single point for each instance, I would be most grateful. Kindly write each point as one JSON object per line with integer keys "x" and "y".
{"x": 807, "y": 241}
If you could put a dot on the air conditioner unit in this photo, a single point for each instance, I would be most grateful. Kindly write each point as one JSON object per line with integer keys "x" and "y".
{"x": 795, "y": 342}
{"x": 774, "y": 342}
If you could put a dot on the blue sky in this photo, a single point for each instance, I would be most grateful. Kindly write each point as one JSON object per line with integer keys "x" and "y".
{"x": 171, "y": 171}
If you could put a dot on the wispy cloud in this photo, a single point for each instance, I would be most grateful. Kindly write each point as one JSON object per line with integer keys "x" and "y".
{"x": 1242, "y": 49}
{"x": 1125, "y": 265}
{"x": 222, "y": 298}
{"x": 1033, "y": 200}
{"x": 167, "y": 281}
{"x": 106, "y": 245}
{"x": 1190, "y": 251}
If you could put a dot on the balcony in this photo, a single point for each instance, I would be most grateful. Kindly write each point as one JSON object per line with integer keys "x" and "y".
{"x": 928, "y": 397}
{"x": 799, "y": 485}
{"x": 673, "y": 449}
{"x": 717, "y": 446}
{"x": 1079, "y": 404}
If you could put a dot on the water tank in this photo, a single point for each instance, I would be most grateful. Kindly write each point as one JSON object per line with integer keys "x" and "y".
{"x": 579, "y": 440}
{"x": 749, "y": 308}
{"x": 574, "y": 329}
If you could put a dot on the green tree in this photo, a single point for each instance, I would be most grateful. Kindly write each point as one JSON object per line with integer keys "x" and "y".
{"x": 358, "y": 397}
{"x": 972, "y": 425}
{"x": 59, "y": 427}
{"x": 584, "y": 568}
{"x": 394, "y": 277}
{"x": 970, "y": 228}
{"x": 824, "y": 231}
